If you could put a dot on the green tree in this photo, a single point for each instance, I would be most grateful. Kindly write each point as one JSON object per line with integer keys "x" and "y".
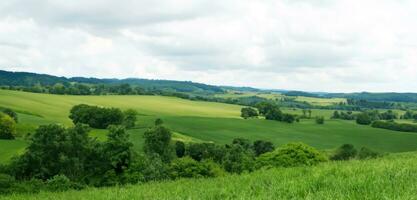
{"x": 11, "y": 113}
{"x": 363, "y": 119}
{"x": 320, "y": 120}
{"x": 237, "y": 160}
{"x": 7, "y": 127}
{"x": 118, "y": 148}
{"x": 130, "y": 118}
{"x": 345, "y": 152}
{"x": 159, "y": 122}
{"x": 157, "y": 141}
{"x": 180, "y": 149}
{"x": 261, "y": 147}
{"x": 187, "y": 167}
{"x": 248, "y": 112}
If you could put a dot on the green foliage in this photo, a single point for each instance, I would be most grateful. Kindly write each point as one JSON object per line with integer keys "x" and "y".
{"x": 274, "y": 114}
{"x": 363, "y": 119}
{"x": 345, "y": 152}
{"x": 238, "y": 160}
{"x": 179, "y": 149}
{"x": 320, "y": 120}
{"x": 261, "y": 147}
{"x": 200, "y": 151}
{"x": 130, "y": 118}
{"x": 248, "y": 112}
{"x": 118, "y": 148}
{"x": 6, "y": 183}
{"x": 159, "y": 122}
{"x": 11, "y": 113}
{"x": 367, "y": 153}
{"x": 146, "y": 168}
{"x": 7, "y": 127}
{"x": 157, "y": 141}
{"x": 243, "y": 142}
{"x": 395, "y": 126}
{"x": 58, "y": 183}
{"x": 291, "y": 155}
{"x": 187, "y": 167}
{"x": 95, "y": 116}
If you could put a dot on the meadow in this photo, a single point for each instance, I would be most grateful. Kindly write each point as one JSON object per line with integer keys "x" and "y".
{"x": 390, "y": 177}
{"x": 196, "y": 121}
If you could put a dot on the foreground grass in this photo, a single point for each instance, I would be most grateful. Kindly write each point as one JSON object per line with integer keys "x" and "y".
{"x": 391, "y": 177}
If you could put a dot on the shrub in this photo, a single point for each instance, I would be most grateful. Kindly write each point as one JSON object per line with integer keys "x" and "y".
{"x": 201, "y": 151}
{"x": 366, "y": 153}
{"x": 288, "y": 118}
{"x": 248, "y": 112}
{"x": 11, "y": 113}
{"x": 291, "y": 155}
{"x": 238, "y": 160}
{"x": 187, "y": 167}
{"x": 7, "y": 127}
{"x": 319, "y": 120}
{"x": 146, "y": 168}
{"x": 261, "y": 147}
{"x": 363, "y": 119}
{"x": 180, "y": 149}
{"x": 58, "y": 183}
{"x": 344, "y": 152}
{"x": 6, "y": 183}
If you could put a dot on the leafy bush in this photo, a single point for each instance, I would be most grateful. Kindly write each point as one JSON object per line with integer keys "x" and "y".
{"x": 6, "y": 183}
{"x": 261, "y": 147}
{"x": 201, "y": 151}
{"x": 363, "y": 119}
{"x": 345, "y": 152}
{"x": 180, "y": 149}
{"x": 291, "y": 155}
{"x": 58, "y": 183}
{"x": 146, "y": 168}
{"x": 319, "y": 120}
{"x": 7, "y": 127}
{"x": 129, "y": 119}
{"x": 238, "y": 160}
{"x": 366, "y": 153}
{"x": 157, "y": 141}
{"x": 11, "y": 113}
{"x": 95, "y": 116}
{"x": 187, "y": 167}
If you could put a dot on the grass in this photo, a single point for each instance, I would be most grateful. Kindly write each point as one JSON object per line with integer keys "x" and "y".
{"x": 390, "y": 177}
{"x": 193, "y": 121}
{"x": 320, "y": 101}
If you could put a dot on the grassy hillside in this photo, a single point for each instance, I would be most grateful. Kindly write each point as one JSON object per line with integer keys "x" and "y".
{"x": 390, "y": 177}
{"x": 198, "y": 121}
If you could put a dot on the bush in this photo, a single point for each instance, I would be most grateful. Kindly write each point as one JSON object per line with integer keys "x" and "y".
{"x": 146, "y": 168}
{"x": 180, "y": 149}
{"x": 11, "y": 113}
{"x": 238, "y": 160}
{"x": 7, "y": 127}
{"x": 187, "y": 167}
{"x": 366, "y": 153}
{"x": 157, "y": 141}
{"x": 319, "y": 120}
{"x": 248, "y": 112}
{"x": 261, "y": 147}
{"x": 345, "y": 152}
{"x": 363, "y": 119}
{"x": 201, "y": 151}
{"x": 6, "y": 183}
{"x": 291, "y": 155}
{"x": 58, "y": 183}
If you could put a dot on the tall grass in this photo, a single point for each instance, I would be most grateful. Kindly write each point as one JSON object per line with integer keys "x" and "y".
{"x": 391, "y": 177}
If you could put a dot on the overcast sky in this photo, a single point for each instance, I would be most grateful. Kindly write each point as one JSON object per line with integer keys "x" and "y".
{"x": 313, "y": 45}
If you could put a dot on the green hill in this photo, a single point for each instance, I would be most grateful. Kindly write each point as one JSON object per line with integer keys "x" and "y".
{"x": 390, "y": 177}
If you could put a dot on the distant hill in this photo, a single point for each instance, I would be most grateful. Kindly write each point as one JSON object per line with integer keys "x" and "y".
{"x": 30, "y": 79}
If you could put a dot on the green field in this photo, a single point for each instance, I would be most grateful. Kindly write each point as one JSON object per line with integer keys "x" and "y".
{"x": 390, "y": 177}
{"x": 197, "y": 122}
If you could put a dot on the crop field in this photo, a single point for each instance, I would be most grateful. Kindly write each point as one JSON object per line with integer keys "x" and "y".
{"x": 195, "y": 121}
{"x": 320, "y": 101}
{"x": 391, "y": 177}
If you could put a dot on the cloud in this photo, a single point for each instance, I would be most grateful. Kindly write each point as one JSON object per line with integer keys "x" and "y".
{"x": 305, "y": 45}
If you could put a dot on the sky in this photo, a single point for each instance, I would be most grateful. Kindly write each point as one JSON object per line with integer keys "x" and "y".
{"x": 310, "y": 45}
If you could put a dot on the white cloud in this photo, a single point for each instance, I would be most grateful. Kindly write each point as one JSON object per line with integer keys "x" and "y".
{"x": 322, "y": 45}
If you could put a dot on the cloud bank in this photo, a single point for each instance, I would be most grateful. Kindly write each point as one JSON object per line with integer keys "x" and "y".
{"x": 322, "y": 45}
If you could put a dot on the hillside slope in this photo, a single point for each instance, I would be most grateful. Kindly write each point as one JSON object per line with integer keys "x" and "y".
{"x": 390, "y": 177}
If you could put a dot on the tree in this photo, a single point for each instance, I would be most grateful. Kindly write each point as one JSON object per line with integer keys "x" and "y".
{"x": 237, "y": 160}
{"x": 158, "y": 122}
{"x": 304, "y": 113}
{"x": 274, "y": 114}
{"x": 157, "y": 141}
{"x": 261, "y": 147}
{"x": 264, "y": 107}
{"x": 288, "y": 118}
{"x": 248, "y": 112}
{"x": 7, "y": 127}
{"x": 180, "y": 149}
{"x": 309, "y": 113}
{"x": 129, "y": 118}
{"x": 345, "y": 152}
{"x": 320, "y": 120}
{"x": 336, "y": 115}
{"x": 244, "y": 143}
{"x": 96, "y": 117}
{"x": 187, "y": 167}
{"x": 118, "y": 148}
{"x": 363, "y": 119}
{"x": 11, "y": 113}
